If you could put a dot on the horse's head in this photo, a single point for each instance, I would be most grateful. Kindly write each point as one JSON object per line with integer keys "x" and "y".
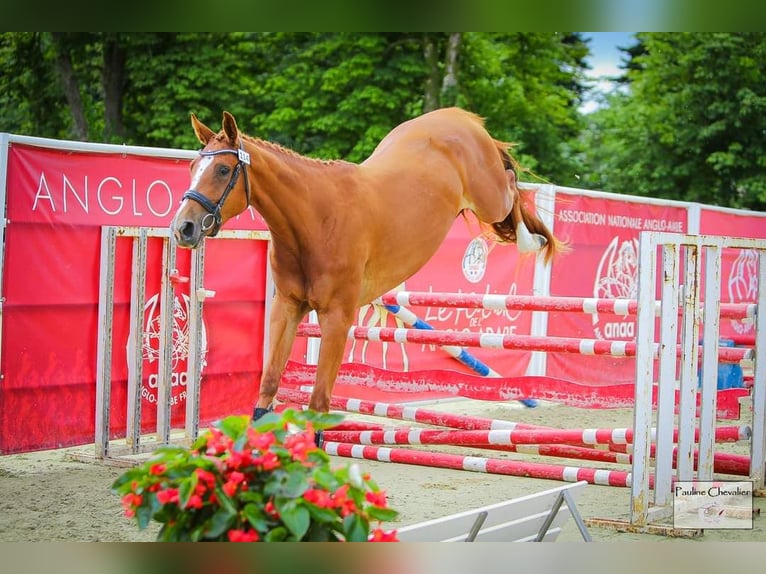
{"x": 219, "y": 187}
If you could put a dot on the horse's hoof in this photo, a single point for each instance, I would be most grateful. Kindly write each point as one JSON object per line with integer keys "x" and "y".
{"x": 319, "y": 438}
{"x": 259, "y": 412}
{"x": 527, "y": 242}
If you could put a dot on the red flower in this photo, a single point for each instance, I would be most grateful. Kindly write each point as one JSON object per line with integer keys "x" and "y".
{"x": 376, "y": 498}
{"x": 205, "y": 476}
{"x": 130, "y": 502}
{"x": 217, "y": 442}
{"x": 341, "y": 500}
{"x": 230, "y": 488}
{"x": 320, "y": 498}
{"x": 269, "y": 461}
{"x": 236, "y": 477}
{"x": 380, "y": 535}
{"x": 157, "y": 469}
{"x": 168, "y": 496}
{"x": 195, "y": 501}
{"x": 248, "y": 535}
{"x": 300, "y": 445}
{"x": 260, "y": 441}
{"x": 238, "y": 459}
{"x": 271, "y": 510}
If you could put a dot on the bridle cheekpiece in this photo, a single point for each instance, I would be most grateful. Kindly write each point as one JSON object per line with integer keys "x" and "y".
{"x": 212, "y": 219}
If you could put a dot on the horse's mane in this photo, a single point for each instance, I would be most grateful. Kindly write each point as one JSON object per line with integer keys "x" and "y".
{"x": 287, "y": 151}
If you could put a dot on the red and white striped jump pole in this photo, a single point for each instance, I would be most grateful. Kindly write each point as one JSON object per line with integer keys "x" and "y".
{"x": 480, "y": 464}
{"x": 725, "y": 463}
{"x": 535, "y": 434}
{"x": 510, "y": 342}
{"x": 575, "y": 437}
{"x": 588, "y": 305}
{"x": 406, "y": 413}
{"x": 729, "y": 464}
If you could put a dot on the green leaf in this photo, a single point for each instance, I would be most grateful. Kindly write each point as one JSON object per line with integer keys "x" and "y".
{"x": 322, "y": 514}
{"x": 355, "y": 528}
{"x": 143, "y": 516}
{"x": 233, "y": 426}
{"x": 186, "y": 489}
{"x": 220, "y": 522}
{"x": 320, "y": 533}
{"x": 256, "y": 517}
{"x": 223, "y": 499}
{"x": 382, "y": 514}
{"x": 295, "y": 517}
{"x": 296, "y": 483}
{"x": 277, "y": 535}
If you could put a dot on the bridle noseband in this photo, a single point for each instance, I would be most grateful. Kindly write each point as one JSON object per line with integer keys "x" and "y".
{"x": 212, "y": 219}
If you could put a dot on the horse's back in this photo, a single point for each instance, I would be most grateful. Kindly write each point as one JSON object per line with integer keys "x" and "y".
{"x": 452, "y": 127}
{"x": 448, "y": 153}
{"x": 418, "y": 179}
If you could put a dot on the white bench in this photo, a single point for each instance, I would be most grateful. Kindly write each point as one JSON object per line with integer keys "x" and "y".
{"x": 533, "y": 518}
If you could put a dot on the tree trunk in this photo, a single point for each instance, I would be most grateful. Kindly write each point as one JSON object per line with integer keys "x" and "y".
{"x": 449, "y": 90}
{"x": 431, "y": 54}
{"x": 70, "y": 86}
{"x": 113, "y": 80}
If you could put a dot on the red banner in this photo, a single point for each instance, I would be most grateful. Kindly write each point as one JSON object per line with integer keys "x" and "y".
{"x": 739, "y": 272}
{"x": 57, "y": 202}
{"x": 603, "y": 263}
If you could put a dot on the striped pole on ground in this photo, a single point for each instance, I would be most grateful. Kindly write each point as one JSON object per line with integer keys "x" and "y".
{"x": 575, "y": 437}
{"x": 481, "y": 464}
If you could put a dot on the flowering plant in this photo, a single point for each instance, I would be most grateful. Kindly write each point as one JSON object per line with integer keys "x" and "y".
{"x": 246, "y": 481}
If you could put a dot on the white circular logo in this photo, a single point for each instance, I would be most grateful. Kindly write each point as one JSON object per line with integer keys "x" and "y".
{"x": 475, "y": 260}
{"x": 150, "y": 347}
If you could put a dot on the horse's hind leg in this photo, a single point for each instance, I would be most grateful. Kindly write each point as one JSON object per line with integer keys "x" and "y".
{"x": 520, "y": 227}
{"x": 526, "y": 241}
{"x": 284, "y": 318}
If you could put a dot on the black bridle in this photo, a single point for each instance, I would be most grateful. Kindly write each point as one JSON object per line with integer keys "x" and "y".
{"x": 214, "y": 209}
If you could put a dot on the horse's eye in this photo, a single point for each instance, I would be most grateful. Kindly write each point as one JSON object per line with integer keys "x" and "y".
{"x": 223, "y": 170}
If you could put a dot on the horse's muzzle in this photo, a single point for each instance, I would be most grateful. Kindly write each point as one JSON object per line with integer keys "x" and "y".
{"x": 187, "y": 232}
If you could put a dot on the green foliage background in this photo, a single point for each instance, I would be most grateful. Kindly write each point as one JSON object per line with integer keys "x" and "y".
{"x": 688, "y": 123}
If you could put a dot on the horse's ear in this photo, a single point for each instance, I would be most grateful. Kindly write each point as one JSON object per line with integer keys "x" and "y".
{"x": 202, "y": 132}
{"x": 230, "y": 129}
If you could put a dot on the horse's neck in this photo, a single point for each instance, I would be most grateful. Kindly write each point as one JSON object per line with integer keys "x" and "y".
{"x": 285, "y": 185}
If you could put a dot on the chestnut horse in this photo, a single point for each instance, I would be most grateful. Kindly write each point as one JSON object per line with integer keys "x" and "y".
{"x": 342, "y": 233}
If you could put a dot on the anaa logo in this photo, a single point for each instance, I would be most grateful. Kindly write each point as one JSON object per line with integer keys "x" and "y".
{"x": 743, "y": 285}
{"x": 150, "y": 347}
{"x": 617, "y": 278}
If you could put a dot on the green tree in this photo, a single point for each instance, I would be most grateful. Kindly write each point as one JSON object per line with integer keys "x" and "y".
{"x": 691, "y": 125}
{"x": 171, "y": 75}
{"x": 529, "y": 87}
{"x": 30, "y": 100}
{"x": 332, "y": 95}
{"x": 336, "y": 95}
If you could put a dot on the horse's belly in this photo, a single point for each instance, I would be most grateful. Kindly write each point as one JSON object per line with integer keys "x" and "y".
{"x": 400, "y": 256}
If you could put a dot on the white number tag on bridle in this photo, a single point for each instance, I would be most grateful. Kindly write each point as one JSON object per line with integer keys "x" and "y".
{"x": 243, "y": 156}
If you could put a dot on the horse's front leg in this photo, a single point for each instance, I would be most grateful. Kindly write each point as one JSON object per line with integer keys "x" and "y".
{"x": 284, "y": 318}
{"x": 335, "y": 324}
